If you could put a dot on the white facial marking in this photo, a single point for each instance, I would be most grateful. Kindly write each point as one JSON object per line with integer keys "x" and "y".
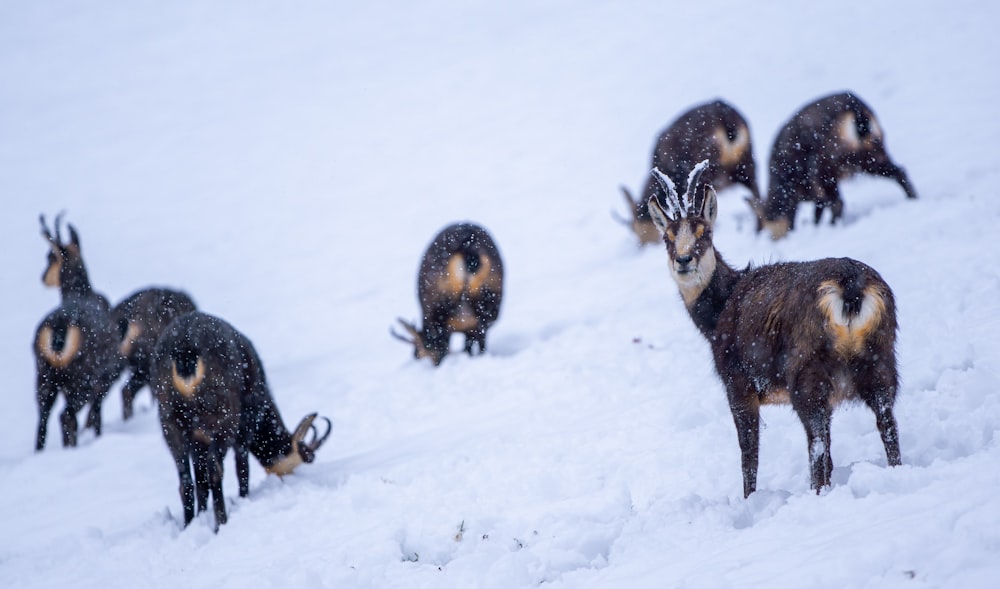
{"x": 684, "y": 242}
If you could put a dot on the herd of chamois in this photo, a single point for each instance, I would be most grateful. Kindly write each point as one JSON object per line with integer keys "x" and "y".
{"x": 811, "y": 334}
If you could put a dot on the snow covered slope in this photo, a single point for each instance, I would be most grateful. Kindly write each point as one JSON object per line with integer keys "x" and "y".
{"x": 287, "y": 165}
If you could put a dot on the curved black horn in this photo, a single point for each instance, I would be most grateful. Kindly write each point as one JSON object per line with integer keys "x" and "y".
{"x": 409, "y": 327}
{"x": 307, "y": 450}
{"x": 58, "y": 222}
{"x": 633, "y": 207}
{"x": 673, "y": 203}
{"x": 45, "y": 230}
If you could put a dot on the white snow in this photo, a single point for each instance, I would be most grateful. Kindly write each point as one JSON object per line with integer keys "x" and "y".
{"x": 287, "y": 163}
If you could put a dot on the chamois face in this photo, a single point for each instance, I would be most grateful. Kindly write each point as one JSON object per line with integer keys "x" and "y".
{"x": 50, "y": 277}
{"x": 63, "y": 258}
{"x": 687, "y": 232}
{"x": 690, "y": 251}
{"x": 433, "y": 346}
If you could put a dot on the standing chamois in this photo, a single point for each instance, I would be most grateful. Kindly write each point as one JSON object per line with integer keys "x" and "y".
{"x": 827, "y": 141}
{"x": 140, "y": 319}
{"x": 459, "y": 286}
{"x": 74, "y": 345}
{"x": 811, "y": 334}
{"x": 213, "y": 396}
{"x": 714, "y": 131}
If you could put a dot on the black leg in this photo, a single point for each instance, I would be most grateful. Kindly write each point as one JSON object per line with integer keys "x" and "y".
{"x": 74, "y": 403}
{"x": 201, "y": 473}
{"x": 135, "y": 382}
{"x": 243, "y": 469}
{"x": 215, "y": 484}
{"x": 877, "y": 387}
{"x": 746, "y": 416}
{"x": 811, "y": 401}
{"x": 46, "y": 398}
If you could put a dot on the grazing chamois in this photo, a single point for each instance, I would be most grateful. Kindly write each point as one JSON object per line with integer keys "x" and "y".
{"x": 74, "y": 345}
{"x": 811, "y": 334}
{"x": 140, "y": 319}
{"x": 714, "y": 131}
{"x": 213, "y": 395}
{"x": 828, "y": 140}
{"x": 459, "y": 286}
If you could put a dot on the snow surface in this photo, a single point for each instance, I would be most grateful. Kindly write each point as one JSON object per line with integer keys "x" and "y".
{"x": 287, "y": 163}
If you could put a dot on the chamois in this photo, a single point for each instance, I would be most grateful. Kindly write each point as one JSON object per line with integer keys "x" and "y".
{"x": 811, "y": 334}
{"x": 140, "y": 319}
{"x": 74, "y": 344}
{"x": 828, "y": 140}
{"x": 460, "y": 286}
{"x": 213, "y": 395}
{"x": 715, "y": 131}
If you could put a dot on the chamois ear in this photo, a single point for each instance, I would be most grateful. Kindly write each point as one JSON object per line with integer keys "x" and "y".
{"x": 658, "y": 215}
{"x": 700, "y": 195}
{"x": 710, "y": 207}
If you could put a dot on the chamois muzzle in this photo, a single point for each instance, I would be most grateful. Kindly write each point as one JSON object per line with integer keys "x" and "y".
{"x": 684, "y": 264}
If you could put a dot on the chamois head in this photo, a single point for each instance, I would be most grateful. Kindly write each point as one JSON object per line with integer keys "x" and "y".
{"x": 435, "y": 348}
{"x": 686, "y": 224}
{"x": 64, "y": 268}
{"x": 639, "y": 223}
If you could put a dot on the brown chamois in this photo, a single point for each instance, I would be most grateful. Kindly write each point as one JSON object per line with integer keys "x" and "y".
{"x": 811, "y": 334}
{"x": 74, "y": 345}
{"x": 714, "y": 131}
{"x": 828, "y": 140}
{"x": 140, "y": 319}
{"x": 213, "y": 395}
{"x": 459, "y": 286}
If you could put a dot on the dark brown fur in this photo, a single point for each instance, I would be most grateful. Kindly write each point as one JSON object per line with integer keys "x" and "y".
{"x": 74, "y": 345}
{"x": 809, "y": 333}
{"x": 223, "y": 402}
{"x": 828, "y": 140}
{"x": 693, "y": 137}
{"x": 460, "y": 286}
{"x": 140, "y": 319}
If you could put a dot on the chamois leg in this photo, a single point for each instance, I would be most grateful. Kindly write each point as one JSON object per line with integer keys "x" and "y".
{"x": 215, "y": 457}
{"x": 746, "y": 415}
{"x": 180, "y": 450}
{"x": 877, "y": 387}
{"x": 474, "y": 337}
{"x": 745, "y": 174}
{"x": 829, "y": 198}
{"x": 242, "y": 468}
{"x": 94, "y": 415}
{"x": 136, "y": 381}
{"x": 46, "y": 398}
{"x": 201, "y": 473}
{"x": 187, "y": 491}
{"x": 74, "y": 403}
{"x": 886, "y": 423}
{"x": 810, "y": 400}
{"x": 100, "y": 391}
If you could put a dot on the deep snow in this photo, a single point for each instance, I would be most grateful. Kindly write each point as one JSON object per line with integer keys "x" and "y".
{"x": 287, "y": 165}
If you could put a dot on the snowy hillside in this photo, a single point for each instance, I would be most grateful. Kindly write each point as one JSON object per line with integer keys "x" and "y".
{"x": 287, "y": 163}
